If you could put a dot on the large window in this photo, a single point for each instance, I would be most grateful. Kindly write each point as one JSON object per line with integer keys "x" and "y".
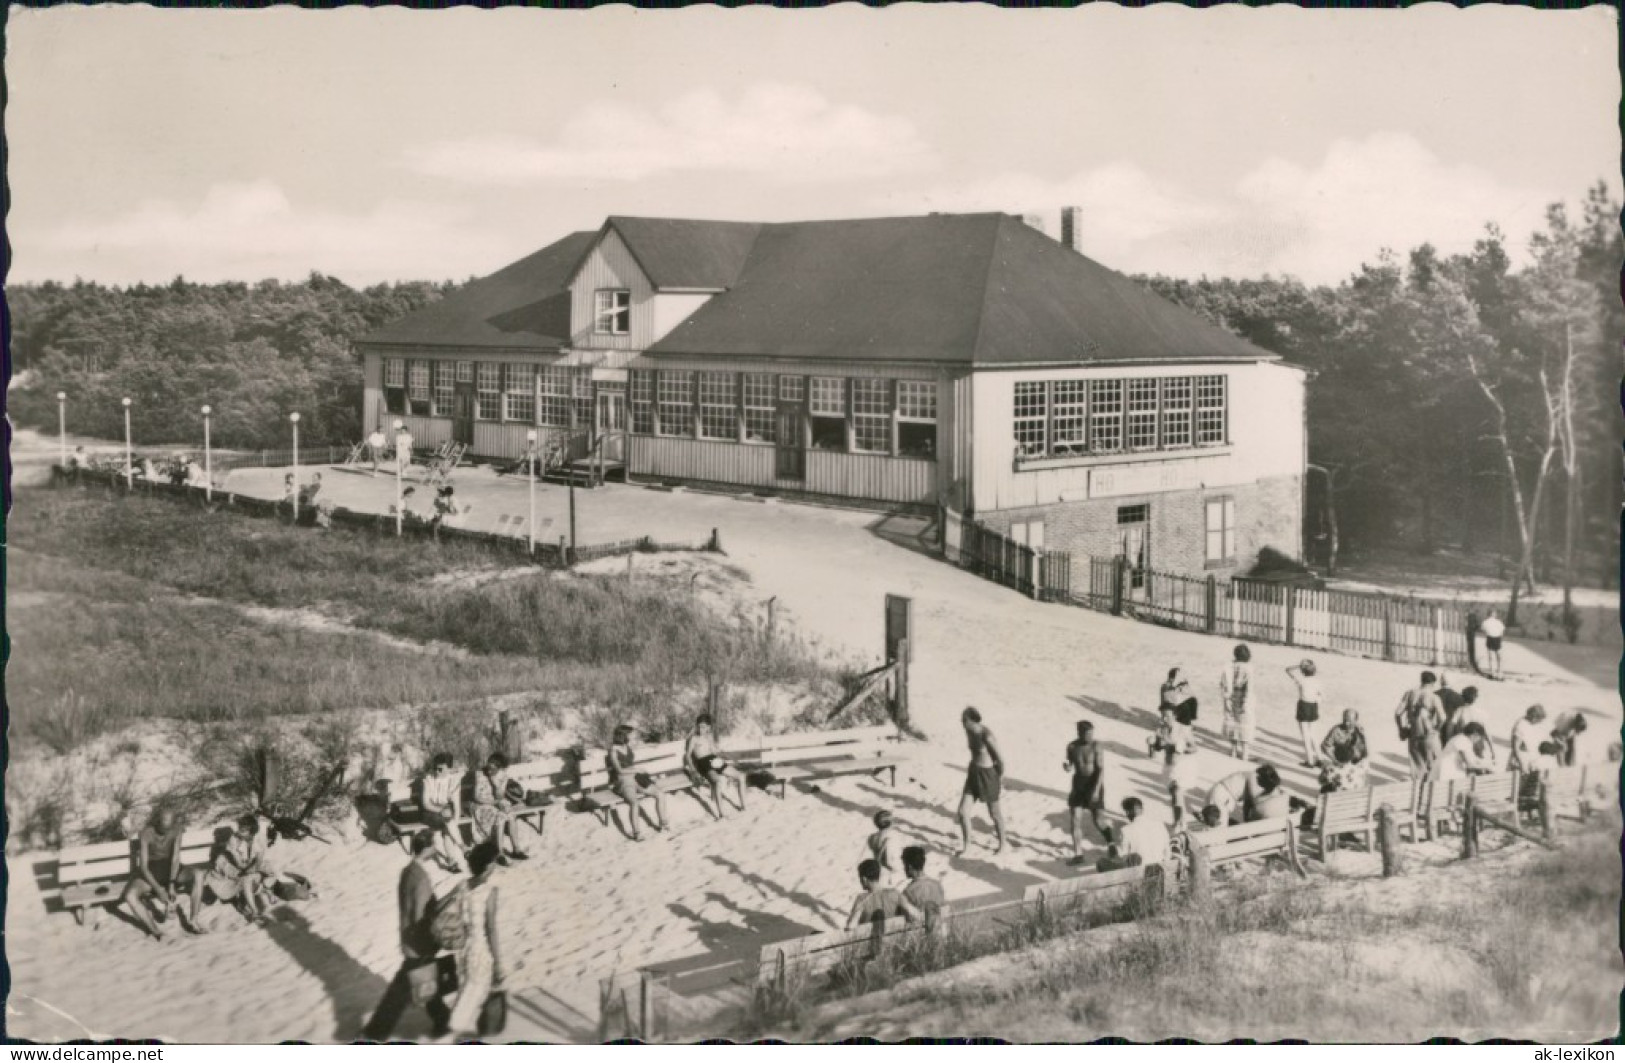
{"x": 553, "y": 396}
{"x": 1210, "y": 411}
{"x": 760, "y": 412}
{"x": 395, "y": 385}
{"x": 581, "y": 388}
{"x": 1069, "y": 417}
{"x": 488, "y": 385}
{"x": 465, "y": 372}
{"x": 1176, "y": 412}
{"x": 1142, "y": 414}
{"x": 917, "y": 418}
{"x": 871, "y": 416}
{"x": 719, "y": 406}
{"x": 1105, "y": 416}
{"x": 443, "y": 388}
{"x": 641, "y": 394}
{"x": 519, "y": 396}
{"x": 792, "y": 388}
{"x": 417, "y": 387}
{"x": 1059, "y": 418}
{"x": 1032, "y": 399}
{"x": 676, "y": 392}
{"x": 1221, "y": 530}
{"x": 612, "y": 312}
{"x": 827, "y": 406}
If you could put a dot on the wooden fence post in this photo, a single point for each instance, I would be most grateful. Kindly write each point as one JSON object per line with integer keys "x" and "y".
{"x": 1212, "y": 605}
{"x": 1438, "y": 633}
{"x": 1119, "y": 574}
{"x": 1201, "y": 876}
{"x": 1036, "y": 563}
{"x": 772, "y": 606}
{"x": 1291, "y": 610}
{"x": 1387, "y": 629}
{"x": 1388, "y": 841}
{"x": 899, "y": 713}
{"x": 1469, "y": 829}
{"x": 1544, "y": 806}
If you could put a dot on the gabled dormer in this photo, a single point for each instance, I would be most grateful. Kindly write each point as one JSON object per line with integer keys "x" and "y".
{"x": 643, "y": 276}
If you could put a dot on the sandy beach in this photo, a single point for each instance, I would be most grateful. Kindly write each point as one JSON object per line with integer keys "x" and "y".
{"x": 590, "y": 902}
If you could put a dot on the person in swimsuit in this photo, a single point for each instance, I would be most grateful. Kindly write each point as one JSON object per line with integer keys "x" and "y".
{"x": 1308, "y": 714}
{"x": 1088, "y": 767}
{"x": 877, "y": 902}
{"x": 983, "y": 780}
{"x": 922, "y": 892}
{"x": 1235, "y": 684}
{"x": 624, "y": 781}
{"x": 1494, "y": 630}
{"x": 1178, "y": 708}
{"x": 158, "y": 872}
{"x": 701, "y": 759}
{"x": 880, "y": 845}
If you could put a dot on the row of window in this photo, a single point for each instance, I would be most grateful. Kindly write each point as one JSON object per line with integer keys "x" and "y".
{"x": 862, "y": 415}
{"x": 1056, "y": 418}
{"x": 515, "y": 392}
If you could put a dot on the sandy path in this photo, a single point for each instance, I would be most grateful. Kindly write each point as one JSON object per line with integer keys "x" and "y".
{"x": 591, "y": 902}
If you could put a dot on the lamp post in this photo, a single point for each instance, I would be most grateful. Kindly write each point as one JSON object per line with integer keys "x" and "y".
{"x": 208, "y": 461}
{"x": 399, "y": 503}
{"x": 293, "y": 419}
{"x": 530, "y": 465}
{"x": 129, "y": 470}
{"x": 62, "y": 426}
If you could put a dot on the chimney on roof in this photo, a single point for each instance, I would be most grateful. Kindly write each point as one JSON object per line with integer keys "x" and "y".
{"x": 1036, "y": 221}
{"x": 1072, "y": 228}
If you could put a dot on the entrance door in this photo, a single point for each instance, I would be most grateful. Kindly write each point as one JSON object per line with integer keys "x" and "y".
{"x": 1134, "y": 543}
{"x": 790, "y": 460}
{"x": 462, "y": 414}
{"x": 610, "y": 426}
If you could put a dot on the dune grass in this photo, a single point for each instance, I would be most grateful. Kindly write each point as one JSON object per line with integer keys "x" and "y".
{"x": 1529, "y": 949}
{"x": 108, "y": 642}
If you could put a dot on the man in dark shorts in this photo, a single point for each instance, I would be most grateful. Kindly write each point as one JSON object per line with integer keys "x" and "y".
{"x": 983, "y": 780}
{"x": 157, "y": 872}
{"x": 1088, "y": 767}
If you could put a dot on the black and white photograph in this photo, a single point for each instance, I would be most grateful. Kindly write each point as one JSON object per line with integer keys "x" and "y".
{"x": 917, "y": 521}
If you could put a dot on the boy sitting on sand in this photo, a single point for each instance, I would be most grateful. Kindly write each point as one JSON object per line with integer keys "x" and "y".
{"x": 922, "y": 892}
{"x": 877, "y": 902}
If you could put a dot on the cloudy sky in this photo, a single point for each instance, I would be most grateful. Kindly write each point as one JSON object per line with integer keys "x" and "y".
{"x": 387, "y": 144}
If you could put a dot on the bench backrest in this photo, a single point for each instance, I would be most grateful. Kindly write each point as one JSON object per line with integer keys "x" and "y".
{"x": 1497, "y": 788}
{"x": 660, "y": 759}
{"x": 92, "y": 863}
{"x": 1565, "y": 784}
{"x": 1229, "y": 844}
{"x": 1096, "y": 888}
{"x": 814, "y": 953}
{"x": 549, "y": 774}
{"x": 855, "y": 743}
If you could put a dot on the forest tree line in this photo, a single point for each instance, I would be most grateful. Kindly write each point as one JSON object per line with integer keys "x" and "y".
{"x": 1453, "y": 400}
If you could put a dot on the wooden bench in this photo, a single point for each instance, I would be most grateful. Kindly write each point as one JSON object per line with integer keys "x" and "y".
{"x": 1097, "y": 889}
{"x": 551, "y": 778}
{"x": 90, "y": 876}
{"x": 1438, "y": 804}
{"x": 662, "y": 763}
{"x": 825, "y": 754}
{"x": 817, "y": 953}
{"x": 546, "y": 782}
{"x": 1355, "y": 812}
{"x": 1246, "y": 841}
{"x": 1582, "y": 788}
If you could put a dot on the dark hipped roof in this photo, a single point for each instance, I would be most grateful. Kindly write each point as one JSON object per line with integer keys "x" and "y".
{"x": 982, "y": 289}
{"x": 973, "y": 289}
{"x": 675, "y": 253}
{"x": 525, "y": 305}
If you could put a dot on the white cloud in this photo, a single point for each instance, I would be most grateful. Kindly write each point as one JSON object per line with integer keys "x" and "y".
{"x": 1319, "y": 222}
{"x": 788, "y": 132}
{"x": 252, "y": 230}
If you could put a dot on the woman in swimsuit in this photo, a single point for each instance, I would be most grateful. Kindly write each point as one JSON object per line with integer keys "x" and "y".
{"x": 702, "y": 760}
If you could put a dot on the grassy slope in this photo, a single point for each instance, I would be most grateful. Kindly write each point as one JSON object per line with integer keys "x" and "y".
{"x": 97, "y": 651}
{"x": 1520, "y": 943}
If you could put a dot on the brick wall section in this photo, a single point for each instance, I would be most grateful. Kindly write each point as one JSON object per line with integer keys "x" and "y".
{"x": 1268, "y": 512}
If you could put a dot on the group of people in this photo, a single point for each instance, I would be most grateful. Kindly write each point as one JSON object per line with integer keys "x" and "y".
{"x": 238, "y": 873}
{"x": 378, "y": 448}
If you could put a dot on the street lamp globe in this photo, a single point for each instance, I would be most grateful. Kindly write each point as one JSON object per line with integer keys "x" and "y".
{"x": 294, "y": 417}
{"x": 62, "y": 396}
{"x": 207, "y": 410}
{"x": 126, "y": 402}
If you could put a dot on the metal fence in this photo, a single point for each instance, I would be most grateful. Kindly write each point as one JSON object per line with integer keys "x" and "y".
{"x": 1414, "y": 630}
{"x": 992, "y": 555}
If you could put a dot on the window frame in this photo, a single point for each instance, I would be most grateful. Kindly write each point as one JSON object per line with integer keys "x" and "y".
{"x": 612, "y": 306}
{"x": 1226, "y": 531}
{"x": 681, "y": 408}
{"x": 488, "y": 399}
{"x": 717, "y": 398}
{"x": 519, "y": 392}
{"x": 872, "y": 424}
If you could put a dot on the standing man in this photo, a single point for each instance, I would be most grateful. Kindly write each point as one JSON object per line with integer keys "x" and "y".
{"x": 982, "y": 780}
{"x": 1494, "y": 629}
{"x": 1088, "y": 767}
{"x": 1420, "y": 719}
{"x": 414, "y": 895}
{"x": 375, "y": 447}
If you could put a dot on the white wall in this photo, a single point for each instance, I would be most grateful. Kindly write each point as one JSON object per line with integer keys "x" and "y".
{"x": 611, "y": 265}
{"x": 1266, "y": 428}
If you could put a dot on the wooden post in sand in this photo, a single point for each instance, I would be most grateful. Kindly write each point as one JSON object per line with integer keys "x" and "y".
{"x": 1200, "y": 883}
{"x": 1469, "y": 829}
{"x": 899, "y": 634}
{"x": 1544, "y": 806}
{"x": 1393, "y": 864}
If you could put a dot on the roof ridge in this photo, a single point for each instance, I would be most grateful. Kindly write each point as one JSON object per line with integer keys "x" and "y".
{"x": 987, "y": 286}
